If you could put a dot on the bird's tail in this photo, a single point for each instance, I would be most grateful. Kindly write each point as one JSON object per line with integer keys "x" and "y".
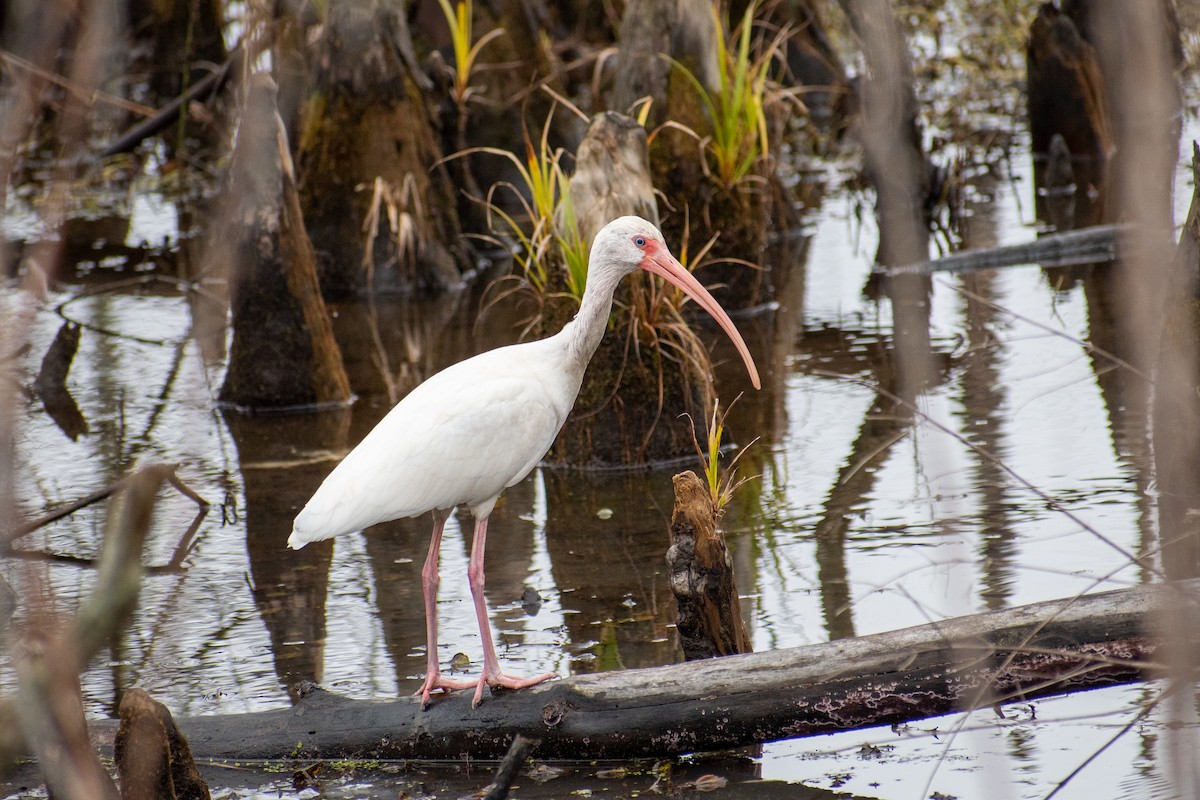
{"x": 308, "y": 527}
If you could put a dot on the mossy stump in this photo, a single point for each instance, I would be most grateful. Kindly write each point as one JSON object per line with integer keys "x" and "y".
{"x": 283, "y": 354}
{"x": 380, "y": 208}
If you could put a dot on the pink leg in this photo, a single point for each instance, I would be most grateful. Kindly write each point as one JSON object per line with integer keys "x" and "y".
{"x": 429, "y": 582}
{"x": 492, "y": 676}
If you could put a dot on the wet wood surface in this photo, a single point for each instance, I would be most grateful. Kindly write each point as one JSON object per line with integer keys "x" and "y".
{"x": 888, "y": 678}
{"x": 709, "y": 614}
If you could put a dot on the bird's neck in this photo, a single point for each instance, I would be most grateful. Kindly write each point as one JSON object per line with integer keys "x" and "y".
{"x": 585, "y": 332}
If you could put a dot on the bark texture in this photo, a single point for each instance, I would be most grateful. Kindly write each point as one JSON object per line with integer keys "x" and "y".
{"x": 154, "y": 761}
{"x": 283, "y": 353}
{"x": 709, "y": 618}
{"x": 379, "y": 206}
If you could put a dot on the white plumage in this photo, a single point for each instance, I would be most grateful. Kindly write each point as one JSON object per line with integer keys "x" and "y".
{"x": 474, "y": 429}
{"x": 459, "y": 438}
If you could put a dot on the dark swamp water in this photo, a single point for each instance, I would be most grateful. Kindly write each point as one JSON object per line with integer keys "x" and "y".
{"x": 857, "y": 520}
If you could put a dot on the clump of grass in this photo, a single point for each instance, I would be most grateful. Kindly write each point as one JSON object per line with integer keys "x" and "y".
{"x": 544, "y": 226}
{"x": 400, "y": 206}
{"x": 721, "y": 483}
{"x": 460, "y": 18}
{"x": 736, "y": 108}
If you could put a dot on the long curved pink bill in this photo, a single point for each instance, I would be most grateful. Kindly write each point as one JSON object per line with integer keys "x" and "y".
{"x": 662, "y": 263}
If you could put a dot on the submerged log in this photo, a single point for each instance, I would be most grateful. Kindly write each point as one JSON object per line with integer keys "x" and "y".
{"x": 709, "y": 612}
{"x": 283, "y": 354}
{"x": 968, "y": 662}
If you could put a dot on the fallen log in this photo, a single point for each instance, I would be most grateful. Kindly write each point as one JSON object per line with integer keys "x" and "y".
{"x": 168, "y": 114}
{"x": 888, "y": 678}
{"x": 1096, "y": 244}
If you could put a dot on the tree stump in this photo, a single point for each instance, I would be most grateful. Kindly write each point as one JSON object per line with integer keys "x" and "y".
{"x": 1066, "y": 90}
{"x": 701, "y": 571}
{"x": 283, "y": 353}
{"x": 612, "y": 177}
{"x": 738, "y": 215}
{"x": 153, "y": 758}
{"x": 379, "y": 207}
{"x": 630, "y": 409}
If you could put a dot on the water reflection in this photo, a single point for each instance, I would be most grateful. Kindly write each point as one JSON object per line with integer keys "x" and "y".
{"x": 277, "y": 478}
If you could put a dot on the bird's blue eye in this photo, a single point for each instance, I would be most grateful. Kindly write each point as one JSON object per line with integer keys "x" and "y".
{"x": 640, "y": 241}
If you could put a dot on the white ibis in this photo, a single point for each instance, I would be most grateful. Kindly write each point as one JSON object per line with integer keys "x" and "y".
{"x": 477, "y": 427}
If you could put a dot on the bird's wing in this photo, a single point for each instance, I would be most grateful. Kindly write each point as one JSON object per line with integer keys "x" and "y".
{"x": 460, "y": 437}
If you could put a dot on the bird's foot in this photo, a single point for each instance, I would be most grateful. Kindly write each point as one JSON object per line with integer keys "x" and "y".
{"x": 499, "y": 679}
{"x": 435, "y": 681}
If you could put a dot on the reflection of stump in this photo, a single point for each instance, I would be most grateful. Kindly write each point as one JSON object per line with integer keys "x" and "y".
{"x": 289, "y": 588}
{"x": 701, "y": 571}
{"x": 51, "y": 383}
{"x": 609, "y": 569}
{"x": 153, "y": 758}
{"x": 283, "y": 352}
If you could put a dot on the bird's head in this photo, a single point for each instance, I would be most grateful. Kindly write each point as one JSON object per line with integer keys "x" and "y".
{"x": 627, "y": 243}
{"x": 630, "y": 243}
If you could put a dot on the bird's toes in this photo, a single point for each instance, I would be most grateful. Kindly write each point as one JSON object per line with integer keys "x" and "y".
{"x": 513, "y": 682}
{"x": 438, "y": 682}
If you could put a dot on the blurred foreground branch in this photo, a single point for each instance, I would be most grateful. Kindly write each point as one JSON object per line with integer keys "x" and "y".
{"x": 49, "y": 707}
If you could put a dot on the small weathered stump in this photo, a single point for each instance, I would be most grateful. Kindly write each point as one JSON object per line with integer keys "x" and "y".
{"x": 611, "y": 178}
{"x": 701, "y": 573}
{"x": 283, "y": 353}
{"x": 153, "y": 758}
